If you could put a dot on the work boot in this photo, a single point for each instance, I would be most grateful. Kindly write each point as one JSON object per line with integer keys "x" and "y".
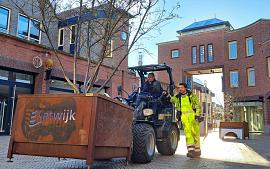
{"x": 197, "y": 154}
{"x": 191, "y": 154}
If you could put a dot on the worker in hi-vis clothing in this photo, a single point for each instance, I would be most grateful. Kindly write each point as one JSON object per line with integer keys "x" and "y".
{"x": 188, "y": 107}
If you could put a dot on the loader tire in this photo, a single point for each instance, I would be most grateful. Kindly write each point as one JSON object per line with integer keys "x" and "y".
{"x": 169, "y": 144}
{"x": 143, "y": 143}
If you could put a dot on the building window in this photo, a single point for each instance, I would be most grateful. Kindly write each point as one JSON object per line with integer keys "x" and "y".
{"x": 251, "y": 77}
{"x": 109, "y": 48}
{"x": 59, "y": 86}
{"x": 268, "y": 61}
{"x": 249, "y": 46}
{"x": 201, "y": 54}
{"x": 34, "y": 30}
{"x": 233, "y": 50}
{"x": 194, "y": 54}
{"x": 72, "y": 34}
{"x": 72, "y": 39}
{"x": 234, "y": 81}
{"x": 4, "y": 19}
{"x": 210, "y": 56}
{"x": 24, "y": 78}
{"x": 3, "y": 75}
{"x": 124, "y": 36}
{"x": 61, "y": 39}
{"x": 23, "y": 26}
{"x": 28, "y": 28}
{"x": 175, "y": 53}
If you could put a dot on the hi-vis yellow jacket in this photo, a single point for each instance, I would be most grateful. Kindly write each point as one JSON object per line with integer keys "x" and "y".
{"x": 176, "y": 99}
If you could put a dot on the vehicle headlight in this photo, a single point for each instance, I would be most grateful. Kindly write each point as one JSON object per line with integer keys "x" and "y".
{"x": 148, "y": 112}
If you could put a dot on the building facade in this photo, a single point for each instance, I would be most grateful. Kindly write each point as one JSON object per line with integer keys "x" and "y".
{"x": 24, "y": 51}
{"x": 242, "y": 55}
{"x": 90, "y": 43}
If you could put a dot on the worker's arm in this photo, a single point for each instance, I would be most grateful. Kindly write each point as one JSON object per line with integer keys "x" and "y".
{"x": 173, "y": 99}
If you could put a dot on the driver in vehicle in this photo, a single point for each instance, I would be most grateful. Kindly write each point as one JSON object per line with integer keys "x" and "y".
{"x": 152, "y": 86}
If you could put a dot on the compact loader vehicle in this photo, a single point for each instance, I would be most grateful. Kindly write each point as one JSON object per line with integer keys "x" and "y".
{"x": 154, "y": 119}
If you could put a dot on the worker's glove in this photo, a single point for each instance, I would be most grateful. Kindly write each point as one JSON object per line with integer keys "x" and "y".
{"x": 199, "y": 118}
{"x": 164, "y": 93}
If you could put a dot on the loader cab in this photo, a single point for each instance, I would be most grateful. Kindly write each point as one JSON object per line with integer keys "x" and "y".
{"x": 144, "y": 70}
{"x": 147, "y": 107}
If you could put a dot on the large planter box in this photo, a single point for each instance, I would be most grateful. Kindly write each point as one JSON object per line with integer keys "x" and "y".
{"x": 71, "y": 126}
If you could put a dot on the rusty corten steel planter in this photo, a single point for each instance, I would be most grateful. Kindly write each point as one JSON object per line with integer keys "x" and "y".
{"x": 71, "y": 126}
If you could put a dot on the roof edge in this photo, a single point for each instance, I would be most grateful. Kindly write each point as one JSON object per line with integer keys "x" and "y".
{"x": 251, "y": 24}
{"x": 227, "y": 23}
{"x": 168, "y": 42}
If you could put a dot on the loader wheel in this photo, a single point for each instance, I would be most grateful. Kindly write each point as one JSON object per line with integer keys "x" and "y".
{"x": 169, "y": 145}
{"x": 143, "y": 143}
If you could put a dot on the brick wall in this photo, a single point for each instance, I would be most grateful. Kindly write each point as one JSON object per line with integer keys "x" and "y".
{"x": 259, "y": 31}
{"x": 18, "y": 54}
{"x": 184, "y": 44}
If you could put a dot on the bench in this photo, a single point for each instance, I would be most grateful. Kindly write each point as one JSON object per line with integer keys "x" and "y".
{"x": 239, "y": 129}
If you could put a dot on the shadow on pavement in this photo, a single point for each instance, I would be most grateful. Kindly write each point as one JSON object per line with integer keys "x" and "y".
{"x": 258, "y": 142}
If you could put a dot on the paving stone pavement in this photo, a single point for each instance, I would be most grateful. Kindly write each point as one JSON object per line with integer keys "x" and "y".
{"x": 217, "y": 154}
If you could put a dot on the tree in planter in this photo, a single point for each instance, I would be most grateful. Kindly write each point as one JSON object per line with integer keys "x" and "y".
{"x": 98, "y": 24}
{"x": 228, "y": 107}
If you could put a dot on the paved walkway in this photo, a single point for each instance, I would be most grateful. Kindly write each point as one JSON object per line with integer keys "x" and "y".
{"x": 229, "y": 154}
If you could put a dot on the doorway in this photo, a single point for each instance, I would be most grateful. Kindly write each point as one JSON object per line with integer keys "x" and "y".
{"x": 12, "y": 84}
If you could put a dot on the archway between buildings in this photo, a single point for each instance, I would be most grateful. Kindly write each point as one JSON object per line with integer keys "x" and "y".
{"x": 255, "y": 112}
{"x": 211, "y": 97}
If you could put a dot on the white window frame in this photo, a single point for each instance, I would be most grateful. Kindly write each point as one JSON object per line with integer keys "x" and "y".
{"x": 8, "y": 22}
{"x": 248, "y": 38}
{"x": 248, "y": 75}
{"x": 111, "y": 49}
{"x": 212, "y": 52}
{"x": 232, "y": 42}
{"x": 202, "y": 49}
{"x": 59, "y": 36}
{"x": 173, "y": 52}
{"x": 268, "y": 61}
{"x": 70, "y": 33}
{"x": 232, "y": 72}
{"x": 192, "y": 58}
{"x": 29, "y": 30}
{"x": 39, "y": 30}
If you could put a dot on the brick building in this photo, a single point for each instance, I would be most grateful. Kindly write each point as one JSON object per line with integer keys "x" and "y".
{"x": 242, "y": 55}
{"x": 24, "y": 51}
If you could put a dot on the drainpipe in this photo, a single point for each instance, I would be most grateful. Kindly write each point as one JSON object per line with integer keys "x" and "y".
{"x": 122, "y": 81}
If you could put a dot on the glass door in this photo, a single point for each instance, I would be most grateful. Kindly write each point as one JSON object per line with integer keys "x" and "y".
{"x": 3, "y": 106}
{"x": 12, "y": 84}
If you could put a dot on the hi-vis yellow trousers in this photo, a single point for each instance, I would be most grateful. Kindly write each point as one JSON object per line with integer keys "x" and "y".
{"x": 192, "y": 131}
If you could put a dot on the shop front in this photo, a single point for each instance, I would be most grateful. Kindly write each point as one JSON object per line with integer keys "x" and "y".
{"x": 12, "y": 83}
{"x": 251, "y": 112}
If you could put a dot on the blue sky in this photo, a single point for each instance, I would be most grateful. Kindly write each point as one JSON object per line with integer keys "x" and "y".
{"x": 238, "y": 12}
